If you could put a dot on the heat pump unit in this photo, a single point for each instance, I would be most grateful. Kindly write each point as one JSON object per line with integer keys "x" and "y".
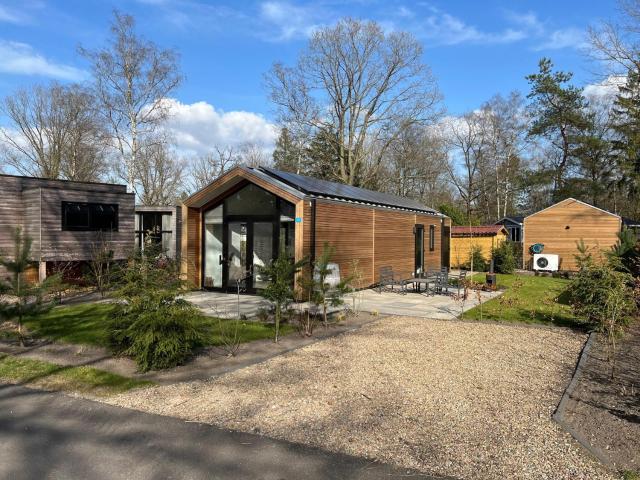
{"x": 545, "y": 262}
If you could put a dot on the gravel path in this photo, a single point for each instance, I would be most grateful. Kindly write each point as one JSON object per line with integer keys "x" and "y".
{"x": 471, "y": 400}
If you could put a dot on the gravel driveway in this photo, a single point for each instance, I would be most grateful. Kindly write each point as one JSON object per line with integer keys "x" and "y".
{"x": 471, "y": 400}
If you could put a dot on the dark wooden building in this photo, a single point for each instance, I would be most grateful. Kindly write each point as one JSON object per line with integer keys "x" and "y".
{"x": 246, "y": 217}
{"x": 65, "y": 219}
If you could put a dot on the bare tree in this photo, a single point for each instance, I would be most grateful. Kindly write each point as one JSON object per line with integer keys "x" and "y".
{"x": 504, "y": 125}
{"x": 361, "y": 83}
{"x": 618, "y": 44}
{"x": 252, "y": 155}
{"x": 159, "y": 174}
{"x": 206, "y": 168}
{"x": 466, "y": 142}
{"x": 132, "y": 77}
{"x": 54, "y": 133}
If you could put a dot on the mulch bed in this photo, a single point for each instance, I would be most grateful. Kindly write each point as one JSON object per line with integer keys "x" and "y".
{"x": 606, "y": 412}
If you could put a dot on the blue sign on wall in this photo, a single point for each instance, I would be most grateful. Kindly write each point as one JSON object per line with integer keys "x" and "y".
{"x": 298, "y": 219}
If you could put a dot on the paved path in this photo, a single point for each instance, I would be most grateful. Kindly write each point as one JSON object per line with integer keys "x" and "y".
{"x": 50, "y": 435}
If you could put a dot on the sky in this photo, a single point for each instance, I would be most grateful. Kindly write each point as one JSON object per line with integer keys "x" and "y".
{"x": 474, "y": 48}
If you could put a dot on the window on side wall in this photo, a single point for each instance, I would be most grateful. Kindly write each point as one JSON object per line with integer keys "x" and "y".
{"x": 432, "y": 238}
{"x": 78, "y": 217}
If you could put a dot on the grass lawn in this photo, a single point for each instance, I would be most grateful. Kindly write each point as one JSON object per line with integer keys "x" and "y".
{"x": 528, "y": 299}
{"x": 86, "y": 324}
{"x": 82, "y": 379}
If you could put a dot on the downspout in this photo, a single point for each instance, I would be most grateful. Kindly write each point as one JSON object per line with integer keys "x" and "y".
{"x": 313, "y": 231}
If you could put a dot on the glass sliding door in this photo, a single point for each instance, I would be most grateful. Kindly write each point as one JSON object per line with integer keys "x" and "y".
{"x": 213, "y": 254}
{"x": 236, "y": 253}
{"x": 262, "y": 251}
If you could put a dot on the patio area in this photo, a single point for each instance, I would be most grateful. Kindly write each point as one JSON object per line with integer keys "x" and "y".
{"x": 411, "y": 304}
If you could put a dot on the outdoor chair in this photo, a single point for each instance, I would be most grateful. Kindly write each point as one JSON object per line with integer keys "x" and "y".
{"x": 441, "y": 284}
{"x": 389, "y": 279}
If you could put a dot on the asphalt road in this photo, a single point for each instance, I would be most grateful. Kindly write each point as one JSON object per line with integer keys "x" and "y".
{"x": 54, "y": 436}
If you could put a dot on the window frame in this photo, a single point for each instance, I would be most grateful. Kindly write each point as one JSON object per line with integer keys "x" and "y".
{"x": 140, "y": 233}
{"x": 432, "y": 238}
{"x": 91, "y": 206}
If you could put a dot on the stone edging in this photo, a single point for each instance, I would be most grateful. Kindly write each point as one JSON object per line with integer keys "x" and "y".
{"x": 559, "y": 414}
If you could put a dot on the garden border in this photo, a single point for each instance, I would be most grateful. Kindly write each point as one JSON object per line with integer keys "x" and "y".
{"x": 559, "y": 414}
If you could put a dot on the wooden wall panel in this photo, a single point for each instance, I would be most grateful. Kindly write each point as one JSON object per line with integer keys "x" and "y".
{"x": 395, "y": 242}
{"x": 597, "y": 228}
{"x": 35, "y": 205}
{"x": 350, "y": 229}
{"x": 432, "y": 258}
{"x": 68, "y": 245}
{"x": 461, "y": 247}
{"x": 191, "y": 247}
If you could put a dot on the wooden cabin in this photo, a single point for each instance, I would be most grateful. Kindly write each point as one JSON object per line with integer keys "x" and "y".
{"x": 484, "y": 237}
{"x": 243, "y": 219}
{"x": 560, "y": 226}
{"x": 64, "y": 219}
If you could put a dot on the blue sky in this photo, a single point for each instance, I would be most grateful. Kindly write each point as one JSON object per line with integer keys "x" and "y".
{"x": 475, "y": 49}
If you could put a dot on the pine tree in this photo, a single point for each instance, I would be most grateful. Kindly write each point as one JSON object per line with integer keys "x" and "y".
{"x": 287, "y": 155}
{"x": 626, "y": 145}
{"x": 28, "y": 296}
{"x": 558, "y": 111}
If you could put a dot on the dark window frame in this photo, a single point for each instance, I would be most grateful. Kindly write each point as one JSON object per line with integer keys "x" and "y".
{"x": 91, "y": 224}
{"x": 432, "y": 238}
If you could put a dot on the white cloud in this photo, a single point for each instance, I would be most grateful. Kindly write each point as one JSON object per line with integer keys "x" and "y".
{"x": 604, "y": 90}
{"x": 199, "y": 127}
{"x": 11, "y": 16}
{"x": 22, "y": 59}
{"x": 290, "y": 21}
{"x": 563, "y": 38}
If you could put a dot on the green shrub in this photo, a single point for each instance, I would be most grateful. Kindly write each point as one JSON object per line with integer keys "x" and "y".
{"x": 151, "y": 324}
{"x": 157, "y": 330}
{"x": 476, "y": 257}
{"x": 604, "y": 297}
{"x": 625, "y": 254}
{"x": 504, "y": 258}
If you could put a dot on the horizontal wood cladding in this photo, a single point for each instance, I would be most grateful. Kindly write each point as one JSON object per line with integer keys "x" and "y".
{"x": 57, "y": 244}
{"x": 461, "y": 247}
{"x": 350, "y": 230}
{"x": 562, "y": 225}
{"x": 35, "y": 205}
{"x": 394, "y": 242}
{"x": 432, "y": 258}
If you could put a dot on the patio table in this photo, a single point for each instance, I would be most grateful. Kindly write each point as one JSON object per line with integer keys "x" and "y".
{"x": 418, "y": 281}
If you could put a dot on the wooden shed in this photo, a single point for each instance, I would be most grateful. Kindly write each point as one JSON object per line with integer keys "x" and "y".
{"x": 562, "y": 225}
{"x": 464, "y": 239}
{"x": 243, "y": 219}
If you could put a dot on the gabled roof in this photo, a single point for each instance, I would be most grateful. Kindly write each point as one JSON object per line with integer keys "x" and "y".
{"x": 513, "y": 219}
{"x": 332, "y": 190}
{"x": 477, "y": 231}
{"x": 571, "y": 199}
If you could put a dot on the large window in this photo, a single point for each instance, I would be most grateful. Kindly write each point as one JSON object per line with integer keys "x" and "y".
{"x": 154, "y": 228}
{"x": 89, "y": 216}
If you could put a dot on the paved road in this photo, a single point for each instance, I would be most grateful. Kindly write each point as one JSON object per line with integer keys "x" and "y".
{"x": 50, "y": 435}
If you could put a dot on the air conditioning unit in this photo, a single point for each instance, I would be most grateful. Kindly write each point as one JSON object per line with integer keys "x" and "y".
{"x": 546, "y": 262}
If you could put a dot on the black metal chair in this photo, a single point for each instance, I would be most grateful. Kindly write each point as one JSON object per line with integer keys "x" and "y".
{"x": 388, "y": 278}
{"x": 441, "y": 284}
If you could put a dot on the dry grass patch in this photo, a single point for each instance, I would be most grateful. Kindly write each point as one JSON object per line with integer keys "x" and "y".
{"x": 446, "y": 397}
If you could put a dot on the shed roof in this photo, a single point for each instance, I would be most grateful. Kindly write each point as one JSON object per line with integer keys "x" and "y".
{"x": 477, "y": 231}
{"x": 338, "y": 191}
